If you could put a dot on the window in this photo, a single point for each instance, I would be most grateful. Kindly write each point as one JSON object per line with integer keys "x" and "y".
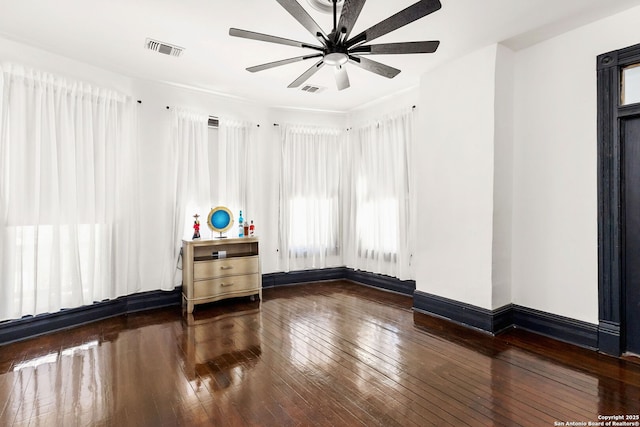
{"x": 310, "y": 197}
{"x": 381, "y": 232}
{"x": 69, "y": 194}
{"x": 630, "y": 91}
{"x": 377, "y": 226}
{"x": 312, "y": 229}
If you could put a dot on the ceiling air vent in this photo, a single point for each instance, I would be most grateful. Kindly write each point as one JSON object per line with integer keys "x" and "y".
{"x": 166, "y": 48}
{"x": 312, "y": 89}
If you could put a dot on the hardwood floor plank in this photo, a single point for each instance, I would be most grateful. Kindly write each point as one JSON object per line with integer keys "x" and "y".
{"x": 322, "y": 354}
{"x": 347, "y": 363}
{"x": 380, "y": 356}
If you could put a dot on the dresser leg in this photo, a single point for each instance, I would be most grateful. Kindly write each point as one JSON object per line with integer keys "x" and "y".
{"x": 187, "y": 305}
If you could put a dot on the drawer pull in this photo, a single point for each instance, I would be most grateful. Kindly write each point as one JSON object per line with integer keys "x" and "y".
{"x": 226, "y": 267}
{"x": 227, "y": 284}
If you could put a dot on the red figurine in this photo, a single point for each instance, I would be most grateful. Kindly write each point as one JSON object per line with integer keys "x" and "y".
{"x": 196, "y": 227}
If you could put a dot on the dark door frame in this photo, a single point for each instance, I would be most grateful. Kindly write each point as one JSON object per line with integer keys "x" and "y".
{"x": 611, "y": 339}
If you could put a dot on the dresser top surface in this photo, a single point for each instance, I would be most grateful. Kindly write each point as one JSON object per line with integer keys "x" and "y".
{"x": 223, "y": 241}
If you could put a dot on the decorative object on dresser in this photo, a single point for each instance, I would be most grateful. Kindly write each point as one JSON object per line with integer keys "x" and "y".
{"x": 217, "y": 269}
{"x": 220, "y": 219}
{"x": 196, "y": 227}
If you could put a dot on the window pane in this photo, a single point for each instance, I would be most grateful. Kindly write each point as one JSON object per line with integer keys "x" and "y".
{"x": 377, "y": 225}
{"x": 313, "y": 229}
{"x": 631, "y": 84}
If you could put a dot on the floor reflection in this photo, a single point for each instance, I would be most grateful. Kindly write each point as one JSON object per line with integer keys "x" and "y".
{"x": 221, "y": 342}
{"x": 73, "y": 376}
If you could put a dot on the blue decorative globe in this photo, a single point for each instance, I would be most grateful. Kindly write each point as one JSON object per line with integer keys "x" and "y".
{"x": 220, "y": 220}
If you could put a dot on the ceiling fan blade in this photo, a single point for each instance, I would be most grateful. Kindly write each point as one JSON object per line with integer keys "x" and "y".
{"x": 350, "y": 12}
{"x": 301, "y": 15}
{"x": 342, "y": 78}
{"x": 397, "y": 48}
{"x": 273, "y": 64}
{"x": 235, "y": 32}
{"x": 307, "y": 74}
{"x": 414, "y": 12}
{"x": 374, "y": 66}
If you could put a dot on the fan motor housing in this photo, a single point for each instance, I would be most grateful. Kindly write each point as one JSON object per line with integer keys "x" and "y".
{"x": 325, "y": 6}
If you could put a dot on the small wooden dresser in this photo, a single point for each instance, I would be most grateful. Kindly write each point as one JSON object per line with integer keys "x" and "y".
{"x": 221, "y": 268}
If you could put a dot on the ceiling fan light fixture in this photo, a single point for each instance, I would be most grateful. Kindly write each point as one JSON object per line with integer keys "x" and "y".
{"x": 336, "y": 58}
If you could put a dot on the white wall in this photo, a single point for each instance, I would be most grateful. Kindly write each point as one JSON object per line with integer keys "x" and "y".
{"x": 381, "y": 107}
{"x": 555, "y": 266}
{"x": 454, "y": 163}
{"x": 503, "y": 178}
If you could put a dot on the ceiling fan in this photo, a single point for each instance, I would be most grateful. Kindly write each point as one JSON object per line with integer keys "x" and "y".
{"x": 336, "y": 48}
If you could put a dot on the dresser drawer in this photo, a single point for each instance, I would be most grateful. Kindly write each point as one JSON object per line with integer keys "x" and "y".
{"x": 225, "y": 267}
{"x": 226, "y": 285}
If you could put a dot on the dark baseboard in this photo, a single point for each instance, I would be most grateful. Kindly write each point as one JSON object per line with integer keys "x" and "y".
{"x": 302, "y": 276}
{"x": 456, "y": 311}
{"x": 502, "y": 319}
{"x": 558, "y": 327}
{"x": 32, "y": 326}
{"x": 388, "y": 283}
{"x": 609, "y": 340}
{"x": 154, "y": 299}
{"x": 381, "y": 281}
{"x": 561, "y": 328}
{"x": 603, "y": 337}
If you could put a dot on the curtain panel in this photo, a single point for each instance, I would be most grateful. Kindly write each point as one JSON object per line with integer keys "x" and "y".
{"x": 188, "y": 172}
{"x": 236, "y": 179}
{"x": 378, "y": 220}
{"x": 310, "y": 197}
{"x": 68, "y": 193}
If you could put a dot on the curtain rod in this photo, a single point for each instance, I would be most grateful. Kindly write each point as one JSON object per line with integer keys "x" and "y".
{"x": 275, "y": 124}
{"x": 215, "y": 117}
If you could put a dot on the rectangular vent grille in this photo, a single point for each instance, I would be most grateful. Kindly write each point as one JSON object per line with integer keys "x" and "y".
{"x": 213, "y": 122}
{"x": 166, "y": 48}
{"x": 312, "y": 89}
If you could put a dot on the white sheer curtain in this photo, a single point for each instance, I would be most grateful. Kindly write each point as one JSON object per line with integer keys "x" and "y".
{"x": 379, "y": 228}
{"x": 310, "y": 185}
{"x": 68, "y": 193}
{"x": 189, "y": 179}
{"x": 235, "y": 174}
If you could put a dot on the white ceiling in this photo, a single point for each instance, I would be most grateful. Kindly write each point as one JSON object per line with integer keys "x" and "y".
{"x": 111, "y": 34}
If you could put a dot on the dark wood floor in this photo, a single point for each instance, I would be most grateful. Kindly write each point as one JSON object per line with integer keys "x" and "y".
{"x": 322, "y": 354}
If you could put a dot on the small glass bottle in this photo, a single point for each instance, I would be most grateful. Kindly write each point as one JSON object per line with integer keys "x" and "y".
{"x": 252, "y": 229}
{"x": 240, "y": 225}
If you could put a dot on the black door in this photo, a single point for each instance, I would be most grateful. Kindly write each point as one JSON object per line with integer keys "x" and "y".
{"x": 630, "y": 135}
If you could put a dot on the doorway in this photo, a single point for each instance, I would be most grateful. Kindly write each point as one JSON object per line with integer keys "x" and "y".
{"x": 630, "y": 136}
{"x": 619, "y": 201}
